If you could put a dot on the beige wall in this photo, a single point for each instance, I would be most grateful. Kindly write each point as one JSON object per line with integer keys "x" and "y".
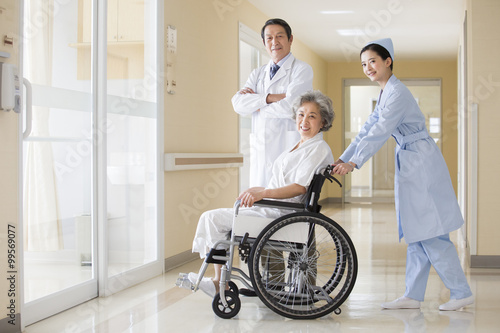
{"x": 9, "y": 204}
{"x": 199, "y": 118}
{"x": 484, "y": 89}
{"x": 445, "y": 70}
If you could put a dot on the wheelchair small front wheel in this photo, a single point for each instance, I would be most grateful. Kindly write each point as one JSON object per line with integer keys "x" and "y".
{"x": 233, "y": 302}
{"x": 233, "y": 287}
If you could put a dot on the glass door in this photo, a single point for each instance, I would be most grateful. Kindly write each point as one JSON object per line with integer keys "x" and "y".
{"x": 92, "y": 159}
{"x": 59, "y": 265}
{"x": 131, "y": 145}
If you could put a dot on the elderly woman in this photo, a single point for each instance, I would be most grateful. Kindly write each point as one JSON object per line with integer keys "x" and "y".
{"x": 292, "y": 173}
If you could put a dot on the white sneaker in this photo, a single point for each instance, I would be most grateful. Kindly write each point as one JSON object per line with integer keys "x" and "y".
{"x": 206, "y": 284}
{"x": 402, "y": 303}
{"x": 455, "y": 304}
{"x": 193, "y": 277}
{"x": 183, "y": 282}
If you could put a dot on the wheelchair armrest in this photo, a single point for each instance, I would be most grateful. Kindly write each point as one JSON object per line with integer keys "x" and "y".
{"x": 280, "y": 204}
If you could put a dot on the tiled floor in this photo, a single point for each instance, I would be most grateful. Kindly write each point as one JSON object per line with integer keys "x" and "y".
{"x": 158, "y": 306}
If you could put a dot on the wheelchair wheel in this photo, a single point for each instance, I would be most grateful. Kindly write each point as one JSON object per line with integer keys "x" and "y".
{"x": 234, "y": 288}
{"x": 233, "y": 302}
{"x": 306, "y": 279}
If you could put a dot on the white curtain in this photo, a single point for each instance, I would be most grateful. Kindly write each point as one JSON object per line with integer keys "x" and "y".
{"x": 42, "y": 225}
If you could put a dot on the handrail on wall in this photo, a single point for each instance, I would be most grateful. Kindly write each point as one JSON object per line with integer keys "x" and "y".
{"x": 193, "y": 161}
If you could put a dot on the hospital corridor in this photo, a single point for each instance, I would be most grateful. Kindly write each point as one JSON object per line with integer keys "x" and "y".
{"x": 135, "y": 134}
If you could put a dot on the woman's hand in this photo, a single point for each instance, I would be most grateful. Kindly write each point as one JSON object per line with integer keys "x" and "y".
{"x": 343, "y": 168}
{"x": 254, "y": 194}
{"x": 251, "y": 195}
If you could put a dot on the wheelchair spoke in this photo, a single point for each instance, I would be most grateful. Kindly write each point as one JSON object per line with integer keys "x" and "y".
{"x": 308, "y": 279}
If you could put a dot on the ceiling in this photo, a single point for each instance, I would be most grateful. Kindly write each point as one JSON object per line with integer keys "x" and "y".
{"x": 420, "y": 29}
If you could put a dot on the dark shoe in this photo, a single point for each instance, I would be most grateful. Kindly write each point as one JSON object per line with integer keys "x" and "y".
{"x": 247, "y": 292}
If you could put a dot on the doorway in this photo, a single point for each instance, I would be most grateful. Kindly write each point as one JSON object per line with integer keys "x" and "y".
{"x": 374, "y": 182}
{"x": 91, "y": 148}
{"x": 252, "y": 54}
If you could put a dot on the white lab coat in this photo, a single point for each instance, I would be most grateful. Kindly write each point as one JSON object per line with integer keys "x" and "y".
{"x": 273, "y": 128}
{"x": 291, "y": 167}
{"x": 426, "y": 205}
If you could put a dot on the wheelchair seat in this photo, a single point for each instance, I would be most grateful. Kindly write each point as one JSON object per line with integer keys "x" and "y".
{"x": 252, "y": 226}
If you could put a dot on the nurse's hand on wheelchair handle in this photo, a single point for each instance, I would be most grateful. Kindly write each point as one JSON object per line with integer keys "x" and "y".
{"x": 342, "y": 168}
{"x": 328, "y": 173}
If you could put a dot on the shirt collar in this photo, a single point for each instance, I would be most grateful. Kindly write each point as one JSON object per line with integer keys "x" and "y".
{"x": 282, "y": 61}
{"x": 387, "y": 89}
{"x": 315, "y": 138}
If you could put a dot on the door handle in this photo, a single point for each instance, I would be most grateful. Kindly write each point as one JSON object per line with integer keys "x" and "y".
{"x": 29, "y": 110}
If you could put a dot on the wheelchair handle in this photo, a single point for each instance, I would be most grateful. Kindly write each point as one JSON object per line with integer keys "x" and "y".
{"x": 236, "y": 207}
{"x": 328, "y": 175}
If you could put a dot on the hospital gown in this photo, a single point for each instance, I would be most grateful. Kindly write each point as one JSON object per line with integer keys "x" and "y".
{"x": 291, "y": 167}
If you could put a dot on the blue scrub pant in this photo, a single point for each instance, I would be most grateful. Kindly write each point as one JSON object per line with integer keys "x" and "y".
{"x": 441, "y": 253}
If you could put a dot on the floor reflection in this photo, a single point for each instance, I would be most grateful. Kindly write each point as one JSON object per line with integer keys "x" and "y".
{"x": 158, "y": 306}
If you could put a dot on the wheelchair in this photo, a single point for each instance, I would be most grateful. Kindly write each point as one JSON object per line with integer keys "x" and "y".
{"x": 302, "y": 265}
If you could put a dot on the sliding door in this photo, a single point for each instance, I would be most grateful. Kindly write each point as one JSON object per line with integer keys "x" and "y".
{"x": 130, "y": 156}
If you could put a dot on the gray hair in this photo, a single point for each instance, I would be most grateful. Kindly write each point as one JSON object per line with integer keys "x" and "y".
{"x": 324, "y": 104}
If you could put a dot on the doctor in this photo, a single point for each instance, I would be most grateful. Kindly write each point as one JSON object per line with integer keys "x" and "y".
{"x": 268, "y": 96}
{"x": 426, "y": 206}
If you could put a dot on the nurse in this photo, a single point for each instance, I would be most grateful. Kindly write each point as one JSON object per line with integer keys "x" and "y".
{"x": 292, "y": 173}
{"x": 268, "y": 96}
{"x": 426, "y": 206}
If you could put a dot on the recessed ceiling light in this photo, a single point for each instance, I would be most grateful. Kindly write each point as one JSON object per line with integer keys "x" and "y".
{"x": 350, "y": 32}
{"x": 334, "y": 12}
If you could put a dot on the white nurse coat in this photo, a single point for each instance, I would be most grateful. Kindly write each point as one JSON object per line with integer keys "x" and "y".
{"x": 273, "y": 128}
{"x": 426, "y": 204}
{"x": 291, "y": 167}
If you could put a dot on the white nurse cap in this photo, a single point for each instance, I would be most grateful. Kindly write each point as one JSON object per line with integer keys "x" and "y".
{"x": 385, "y": 43}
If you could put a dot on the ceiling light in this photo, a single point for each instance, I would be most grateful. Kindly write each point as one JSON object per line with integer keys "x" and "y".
{"x": 350, "y": 32}
{"x": 334, "y": 12}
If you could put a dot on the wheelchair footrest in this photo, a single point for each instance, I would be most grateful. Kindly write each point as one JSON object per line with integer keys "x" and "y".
{"x": 214, "y": 252}
{"x": 183, "y": 282}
